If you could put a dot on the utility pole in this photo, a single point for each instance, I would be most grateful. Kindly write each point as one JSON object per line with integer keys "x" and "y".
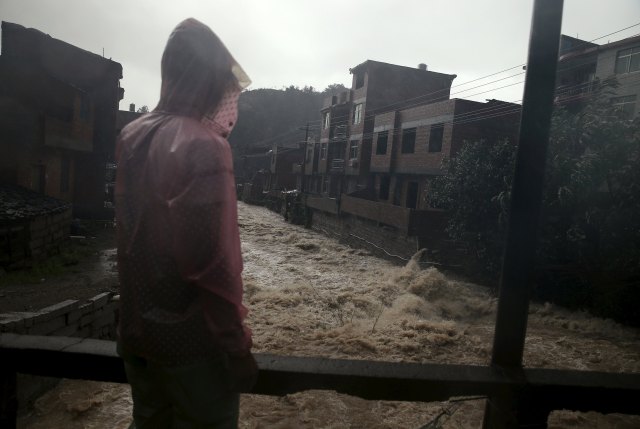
{"x": 304, "y": 157}
{"x": 509, "y": 407}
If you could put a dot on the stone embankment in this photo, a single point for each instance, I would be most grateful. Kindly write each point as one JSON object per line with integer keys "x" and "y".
{"x": 95, "y": 318}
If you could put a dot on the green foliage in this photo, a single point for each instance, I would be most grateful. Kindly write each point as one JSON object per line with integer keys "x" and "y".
{"x": 476, "y": 193}
{"x": 589, "y": 251}
{"x": 64, "y": 262}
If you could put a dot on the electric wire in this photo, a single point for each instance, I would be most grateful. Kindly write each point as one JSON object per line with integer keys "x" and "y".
{"x": 373, "y": 112}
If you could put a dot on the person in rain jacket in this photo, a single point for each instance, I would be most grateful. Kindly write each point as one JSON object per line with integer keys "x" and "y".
{"x": 181, "y": 333}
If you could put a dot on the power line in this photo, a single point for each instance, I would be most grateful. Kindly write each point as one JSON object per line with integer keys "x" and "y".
{"x": 615, "y": 32}
{"x": 373, "y": 112}
{"x": 493, "y": 74}
{"x": 504, "y": 109}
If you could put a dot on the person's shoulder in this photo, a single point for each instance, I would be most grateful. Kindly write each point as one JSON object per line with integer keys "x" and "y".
{"x": 137, "y": 126}
{"x": 196, "y": 145}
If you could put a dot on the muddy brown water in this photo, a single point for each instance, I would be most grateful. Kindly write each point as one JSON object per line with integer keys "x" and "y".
{"x": 308, "y": 295}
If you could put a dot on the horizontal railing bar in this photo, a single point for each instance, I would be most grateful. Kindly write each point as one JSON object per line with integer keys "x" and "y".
{"x": 280, "y": 375}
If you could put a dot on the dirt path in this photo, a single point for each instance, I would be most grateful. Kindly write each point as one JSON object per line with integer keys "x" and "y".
{"x": 85, "y": 268}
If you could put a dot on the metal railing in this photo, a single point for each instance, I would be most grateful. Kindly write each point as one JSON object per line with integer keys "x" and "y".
{"x": 537, "y": 391}
{"x": 516, "y": 396}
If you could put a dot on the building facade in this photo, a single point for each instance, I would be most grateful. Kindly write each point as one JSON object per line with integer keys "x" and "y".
{"x": 583, "y": 67}
{"x": 381, "y": 143}
{"x": 59, "y": 105}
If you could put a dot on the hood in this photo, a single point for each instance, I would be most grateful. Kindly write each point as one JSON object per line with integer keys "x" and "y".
{"x": 200, "y": 77}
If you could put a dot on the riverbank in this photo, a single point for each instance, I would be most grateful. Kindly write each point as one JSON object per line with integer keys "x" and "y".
{"x": 309, "y": 295}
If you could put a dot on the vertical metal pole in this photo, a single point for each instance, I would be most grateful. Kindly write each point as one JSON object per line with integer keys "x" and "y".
{"x": 8, "y": 397}
{"x": 526, "y": 202}
{"x": 303, "y": 169}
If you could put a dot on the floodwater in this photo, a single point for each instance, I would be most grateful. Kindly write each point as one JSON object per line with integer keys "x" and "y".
{"x": 308, "y": 295}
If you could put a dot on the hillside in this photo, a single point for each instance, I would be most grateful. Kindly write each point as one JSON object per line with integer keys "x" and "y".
{"x": 268, "y": 116}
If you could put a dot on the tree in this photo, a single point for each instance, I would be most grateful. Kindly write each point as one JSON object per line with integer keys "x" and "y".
{"x": 475, "y": 192}
{"x": 334, "y": 88}
{"x": 589, "y": 251}
{"x": 143, "y": 109}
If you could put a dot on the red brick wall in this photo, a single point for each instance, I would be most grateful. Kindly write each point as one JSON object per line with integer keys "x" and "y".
{"x": 421, "y": 160}
{"x": 383, "y": 163}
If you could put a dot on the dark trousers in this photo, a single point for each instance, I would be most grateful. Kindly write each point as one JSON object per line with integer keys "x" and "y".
{"x": 181, "y": 397}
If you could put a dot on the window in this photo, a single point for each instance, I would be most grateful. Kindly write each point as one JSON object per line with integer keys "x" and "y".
{"x": 397, "y": 192}
{"x": 353, "y": 149}
{"x": 84, "y": 108}
{"x": 412, "y": 195}
{"x": 325, "y": 121}
{"x": 408, "y": 140}
{"x": 381, "y": 145}
{"x": 38, "y": 178}
{"x": 626, "y": 106}
{"x": 325, "y": 184}
{"x": 359, "y": 80}
{"x": 385, "y": 182}
{"x": 435, "y": 137}
{"x": 357, "y": 114}
{"x": 323, "y": 150}
{"x": 65, "y": 167}
{"x": 628, "y": 60}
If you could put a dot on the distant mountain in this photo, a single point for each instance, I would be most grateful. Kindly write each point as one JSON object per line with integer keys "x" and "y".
{"x": 269, "y": 116}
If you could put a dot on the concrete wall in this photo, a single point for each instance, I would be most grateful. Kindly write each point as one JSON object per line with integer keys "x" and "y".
{"x": 94, "y": 318}
{"x": 46, "y": 233}
{"x": 26, "y": 240}
{"x": 385, "y": 242}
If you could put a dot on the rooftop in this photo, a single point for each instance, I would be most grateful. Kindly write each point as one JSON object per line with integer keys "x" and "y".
{"x": 18, "y": 203}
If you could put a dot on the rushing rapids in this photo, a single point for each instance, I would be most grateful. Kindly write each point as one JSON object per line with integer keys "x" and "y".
{"x": 311, "y": 296}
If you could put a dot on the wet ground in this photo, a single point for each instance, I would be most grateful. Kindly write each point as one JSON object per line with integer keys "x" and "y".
{"x": 311, "y": 296}
{"x": 84, "y": 269}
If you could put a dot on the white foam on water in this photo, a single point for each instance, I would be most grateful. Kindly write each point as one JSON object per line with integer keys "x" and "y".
{"x": 308, "y": 295}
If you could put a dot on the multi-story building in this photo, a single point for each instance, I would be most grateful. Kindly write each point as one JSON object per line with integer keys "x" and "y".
{"x": 331, "y": 149}
{"x": 343, "y": 153}
{"x": 585, "y": 66}
{"x": 58, "y": 121}
{"x": 380, "y": 145}
{"x": 410, "y": 145}
{"x": 284, "y": 169}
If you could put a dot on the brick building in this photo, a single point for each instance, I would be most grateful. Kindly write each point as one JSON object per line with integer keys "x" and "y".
{"x": 583, "y": 66}
{"x": 382, "y": 142}
{"x": 347, "y": 118}
{"x": 410, "y": 145}
{"x": 58, "y": 106}
{"x": 284, "y": 168}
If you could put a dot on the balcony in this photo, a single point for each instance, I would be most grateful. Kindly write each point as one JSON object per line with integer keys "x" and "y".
{"x": 74, "y": 135}
{"x": 575, "y": 92}
{"x": 409, "y": 221}
{"x": 337, "y": 166}
{"x": 338, "y": 132}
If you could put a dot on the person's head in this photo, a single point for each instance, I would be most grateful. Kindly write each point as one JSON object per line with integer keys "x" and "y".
{"x": 197, "y": 71}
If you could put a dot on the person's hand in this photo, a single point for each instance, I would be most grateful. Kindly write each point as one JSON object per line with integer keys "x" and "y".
{"x": 243, "y": 373}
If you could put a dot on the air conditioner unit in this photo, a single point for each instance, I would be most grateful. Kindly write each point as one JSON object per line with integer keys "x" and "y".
{"x": 353, "y": 163}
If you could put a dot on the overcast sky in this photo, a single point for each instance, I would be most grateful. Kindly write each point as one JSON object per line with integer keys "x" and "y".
{"x": 299, "y": 42}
